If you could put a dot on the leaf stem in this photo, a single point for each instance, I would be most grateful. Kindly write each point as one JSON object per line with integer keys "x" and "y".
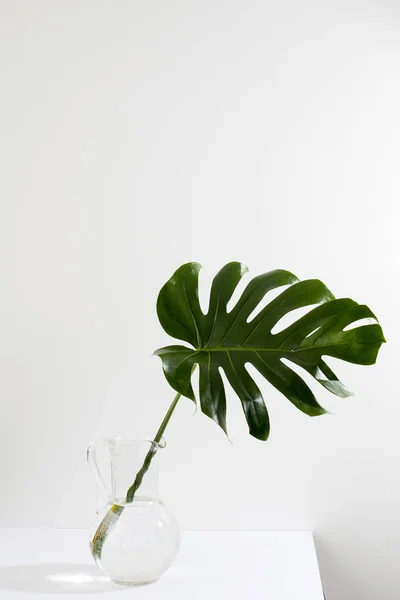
{"x": 116, "y": 510}
{"x": 153, "y": 449}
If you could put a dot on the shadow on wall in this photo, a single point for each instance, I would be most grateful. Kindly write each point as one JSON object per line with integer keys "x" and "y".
{"x": 60, "y": 579}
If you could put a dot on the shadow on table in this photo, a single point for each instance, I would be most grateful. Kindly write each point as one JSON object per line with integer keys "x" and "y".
{"x": 60, "y": 579}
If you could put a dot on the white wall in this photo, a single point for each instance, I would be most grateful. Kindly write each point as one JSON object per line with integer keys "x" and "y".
{"x": 136, "y": 136}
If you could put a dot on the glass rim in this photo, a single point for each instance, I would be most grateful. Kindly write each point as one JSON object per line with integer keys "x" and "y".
{"x": 120, "y": 440}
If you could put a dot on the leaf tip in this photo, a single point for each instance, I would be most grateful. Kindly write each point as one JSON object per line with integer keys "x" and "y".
{"x": 318, "y": 411}
{"x": 261, "y": 436}
{"x": 243, "y": 269}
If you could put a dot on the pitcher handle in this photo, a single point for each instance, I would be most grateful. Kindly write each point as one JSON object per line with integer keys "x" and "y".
{"x": 92, "y": 460}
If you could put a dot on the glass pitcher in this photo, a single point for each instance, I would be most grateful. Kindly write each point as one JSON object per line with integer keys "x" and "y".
{"x": 135, "y": 538}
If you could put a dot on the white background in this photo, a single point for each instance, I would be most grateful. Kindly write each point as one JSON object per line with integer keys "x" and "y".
{"x": 136, "y": 136}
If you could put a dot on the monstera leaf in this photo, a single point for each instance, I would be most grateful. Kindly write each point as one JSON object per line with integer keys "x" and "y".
{"x": 229, "y": 340}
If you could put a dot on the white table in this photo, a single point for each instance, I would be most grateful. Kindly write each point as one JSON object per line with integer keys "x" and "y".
{"x": 253, "y": 565}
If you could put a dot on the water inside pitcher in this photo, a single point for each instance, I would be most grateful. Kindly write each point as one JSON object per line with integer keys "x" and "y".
{"x": 135, "y": 538}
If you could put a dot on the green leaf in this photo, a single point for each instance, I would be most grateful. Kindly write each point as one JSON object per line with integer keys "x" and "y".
{"x": 228, "y": 341}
